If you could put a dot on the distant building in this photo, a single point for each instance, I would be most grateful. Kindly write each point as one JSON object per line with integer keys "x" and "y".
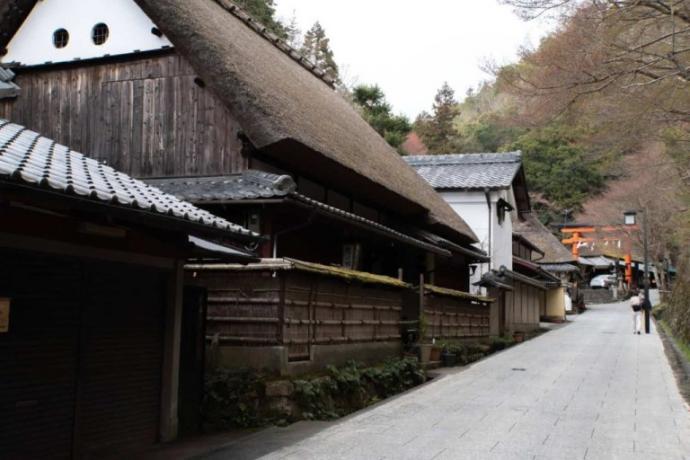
{"x": 489, "y": 191}
{"x": 557, "y": 258}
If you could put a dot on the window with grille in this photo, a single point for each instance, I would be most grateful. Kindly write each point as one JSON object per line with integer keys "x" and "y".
{"x": 100, "y": 33}
{"x": 60, "y": 38}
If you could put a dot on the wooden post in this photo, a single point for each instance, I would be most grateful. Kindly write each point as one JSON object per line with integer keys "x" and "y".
{"x": 421, "y": 299}
{"x": 171, "y": 355}
{"x": 281, "y": 310}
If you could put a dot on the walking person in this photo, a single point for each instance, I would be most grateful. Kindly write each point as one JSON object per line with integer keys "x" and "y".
{"x": 636, "y": 305}
{"x": 646, "y": 306}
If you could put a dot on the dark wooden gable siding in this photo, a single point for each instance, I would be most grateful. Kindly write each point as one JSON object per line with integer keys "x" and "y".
{"x": 145, "y": 116}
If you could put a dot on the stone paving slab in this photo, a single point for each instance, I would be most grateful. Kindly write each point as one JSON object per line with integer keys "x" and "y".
{"x": 589, "y": 390}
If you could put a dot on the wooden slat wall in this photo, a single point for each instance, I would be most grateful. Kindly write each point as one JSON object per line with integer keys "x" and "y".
{"x": 451, "y": 317}
{"x": 243, "y": 308}
{"x": 39, "y": 356}
{"x": 321, "y": 310}
{"x": 80, "y": 365}
{"x": 523, "y": 306}
{"x": 146, "y": 117}
{"x": 298, "y": 310}
{"x": 121, "y": 357}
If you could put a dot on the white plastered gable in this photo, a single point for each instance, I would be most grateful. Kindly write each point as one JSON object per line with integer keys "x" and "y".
{"x": 129, "y": 30}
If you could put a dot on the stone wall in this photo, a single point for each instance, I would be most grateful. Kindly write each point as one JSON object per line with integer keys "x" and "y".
{"x": 598, "y": 296}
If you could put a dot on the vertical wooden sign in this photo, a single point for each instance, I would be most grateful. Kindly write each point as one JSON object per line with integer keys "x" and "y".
{"x": 4, "y": 315}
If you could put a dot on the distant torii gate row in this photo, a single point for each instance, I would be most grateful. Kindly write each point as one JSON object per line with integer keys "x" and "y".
{"x": 605, "y": 233}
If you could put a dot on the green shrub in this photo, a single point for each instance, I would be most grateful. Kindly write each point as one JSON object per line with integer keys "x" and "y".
{"x": 230, "y": 398}
{"x": 501, "y": 343}
{"x": 236, "y": 398}
{"x": 659, "y": 311}
{"x": 314, "y": 398}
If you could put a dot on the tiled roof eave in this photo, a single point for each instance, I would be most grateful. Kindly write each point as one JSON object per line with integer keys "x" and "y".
{"x": 366, "y": 223}
{"x": 37, "y": 163}
{"x": 131, "y": 213}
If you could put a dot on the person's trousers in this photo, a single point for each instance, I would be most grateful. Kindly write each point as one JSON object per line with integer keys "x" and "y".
{"x": 637, "y": 324}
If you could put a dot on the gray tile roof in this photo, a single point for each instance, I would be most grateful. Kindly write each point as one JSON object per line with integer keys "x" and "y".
{"x": 466, "y": 171}
{"x": 250, "y": 185}
{"x": 559, "y": 268}
{"x": 8, "y": 88}
{"x": 33, "y": 160}
{"x": 256, "y": 185}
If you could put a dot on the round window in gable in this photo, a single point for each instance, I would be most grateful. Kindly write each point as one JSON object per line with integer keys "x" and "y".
{"x": 99, "y": 34}
{"x": 60, "y": 38}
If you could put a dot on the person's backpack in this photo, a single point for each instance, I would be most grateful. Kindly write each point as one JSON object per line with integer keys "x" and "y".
{"x": 645, "y": 304}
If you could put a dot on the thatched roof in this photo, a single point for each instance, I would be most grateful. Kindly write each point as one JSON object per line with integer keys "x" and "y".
{"x": 13, "y": 14}
{"x": 279, "y": 101}
{"x": 286, "y": 108}
{"x": 534, "y": 231}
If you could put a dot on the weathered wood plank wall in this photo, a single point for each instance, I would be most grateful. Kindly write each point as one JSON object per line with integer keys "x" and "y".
{"x": 523, "y": 307}
{"x": 451, "y": 317}
{"x": 298, "y": 310}
{"x": 147, "y": 116}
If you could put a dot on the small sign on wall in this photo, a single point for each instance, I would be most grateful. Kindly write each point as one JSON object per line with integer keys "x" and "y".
{"x": 4, "y": 315}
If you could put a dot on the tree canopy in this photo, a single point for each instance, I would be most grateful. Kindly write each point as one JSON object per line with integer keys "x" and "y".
{"x": 317, "y": 48}
{"x": 437, "y": 129}
{"x": 378, "y": 113}
{"x": 264, "y": 11}
{"x": 558, "y": 170}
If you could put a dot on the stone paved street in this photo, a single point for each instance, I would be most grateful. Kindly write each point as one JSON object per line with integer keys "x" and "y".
{"x": 589, "y": 390}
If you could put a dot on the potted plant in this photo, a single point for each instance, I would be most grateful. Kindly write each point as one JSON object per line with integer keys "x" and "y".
{"x": 448, "y": 357}
{"x": 518, "y": 336}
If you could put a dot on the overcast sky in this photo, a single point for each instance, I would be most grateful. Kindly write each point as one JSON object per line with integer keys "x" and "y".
{"x": 410, "y": 48}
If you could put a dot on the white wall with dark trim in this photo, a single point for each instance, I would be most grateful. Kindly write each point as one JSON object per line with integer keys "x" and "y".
{"x": 129, "y": 30}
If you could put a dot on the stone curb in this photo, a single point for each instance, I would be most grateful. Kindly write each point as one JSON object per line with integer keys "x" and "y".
{"x": 678, "y": 362}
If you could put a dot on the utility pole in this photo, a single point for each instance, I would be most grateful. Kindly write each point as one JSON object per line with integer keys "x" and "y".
{"x": 647, "y": 312}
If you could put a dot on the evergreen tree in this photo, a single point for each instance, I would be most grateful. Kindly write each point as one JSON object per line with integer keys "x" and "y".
{"x": 437, "y": 130}
{"x": 293, "y": 32}
{"x": 264, "y": 11}
{"x": 377, "y": 112}
{"x": 317, "y": 49}
{"x": 557, "y": 168}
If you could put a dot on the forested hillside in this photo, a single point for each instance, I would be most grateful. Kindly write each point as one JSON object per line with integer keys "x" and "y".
{"x": 601, "y": 111}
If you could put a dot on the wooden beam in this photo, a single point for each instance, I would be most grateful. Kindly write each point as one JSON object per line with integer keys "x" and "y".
{"x": 602, "y": 229}
{"x": 170, "y": 375}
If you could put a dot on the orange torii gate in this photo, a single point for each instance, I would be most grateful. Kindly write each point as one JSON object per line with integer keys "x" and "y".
{"x": 579, "y": 235}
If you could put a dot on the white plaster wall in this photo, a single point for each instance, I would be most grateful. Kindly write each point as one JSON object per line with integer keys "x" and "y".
{"x": 473, "y": 208}
{"x": 130, "y": 30}
{"x": 503, "y": 233}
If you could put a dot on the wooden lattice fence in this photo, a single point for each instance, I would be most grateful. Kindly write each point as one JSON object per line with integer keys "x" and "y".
{"x": 299, "y": 305}
{"x": 451, "y": 314}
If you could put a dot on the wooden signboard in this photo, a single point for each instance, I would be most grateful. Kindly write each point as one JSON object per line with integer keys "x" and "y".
{"x": 4, "y": 315}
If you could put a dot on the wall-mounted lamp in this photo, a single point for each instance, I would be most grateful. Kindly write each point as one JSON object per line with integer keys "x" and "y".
{"x": 630, "y": 217}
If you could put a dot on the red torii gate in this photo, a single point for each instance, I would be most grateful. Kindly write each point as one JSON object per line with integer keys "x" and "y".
{"x": 579, "y": 235}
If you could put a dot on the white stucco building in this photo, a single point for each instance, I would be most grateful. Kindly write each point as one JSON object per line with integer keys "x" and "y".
{"x": 488, "y": 190}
